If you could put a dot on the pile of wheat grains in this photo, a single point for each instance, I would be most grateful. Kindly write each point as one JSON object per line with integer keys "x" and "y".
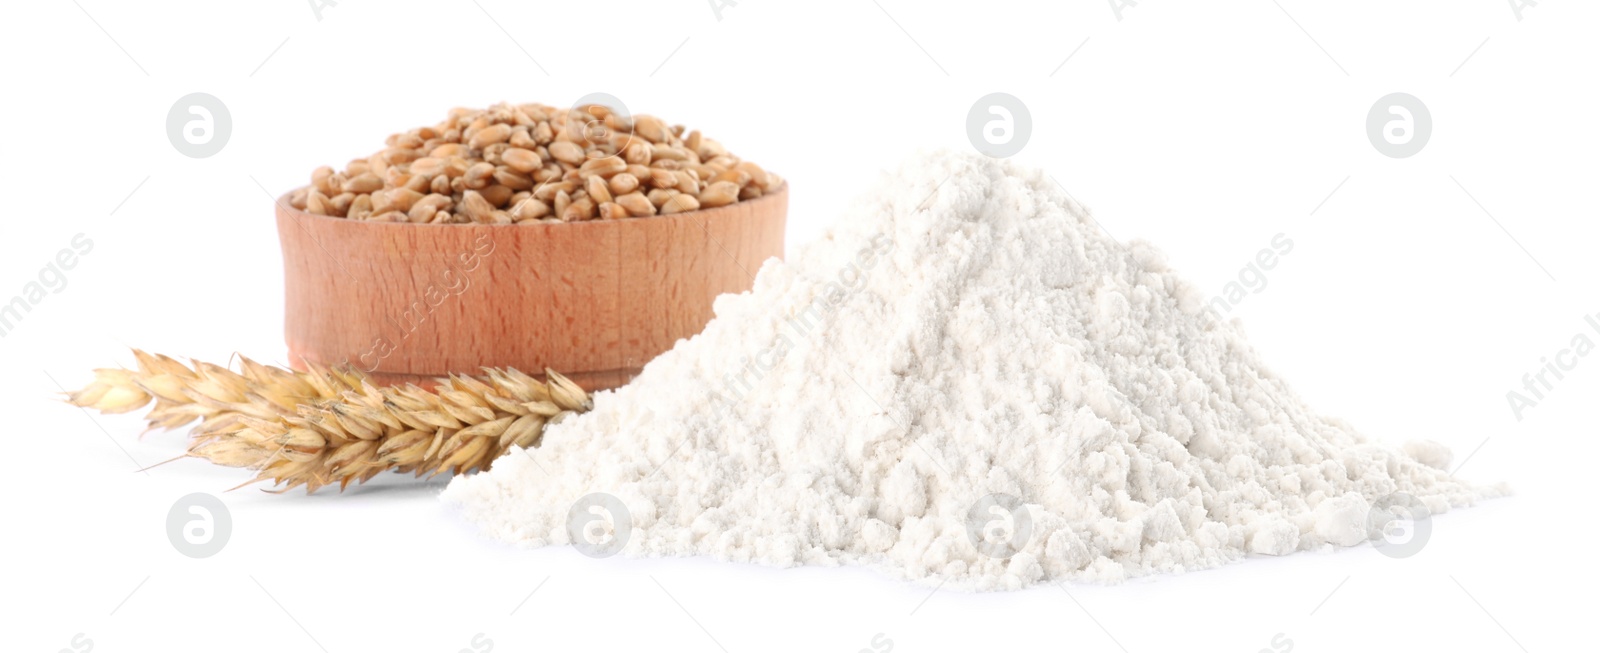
{"x": 964, "y": 382}
{"x": 535, "y": 163}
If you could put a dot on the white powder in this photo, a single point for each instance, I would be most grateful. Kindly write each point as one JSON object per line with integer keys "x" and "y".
{"x": 964, "y": 331}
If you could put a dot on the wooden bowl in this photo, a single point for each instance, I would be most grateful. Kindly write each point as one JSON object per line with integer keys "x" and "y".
{"x": 592, "y": 300}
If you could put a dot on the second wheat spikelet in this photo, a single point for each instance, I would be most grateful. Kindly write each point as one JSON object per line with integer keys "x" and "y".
{"x": 328, "y": 426}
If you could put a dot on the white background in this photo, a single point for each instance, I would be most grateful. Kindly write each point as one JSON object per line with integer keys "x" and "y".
{"x": 1405, "y": 306}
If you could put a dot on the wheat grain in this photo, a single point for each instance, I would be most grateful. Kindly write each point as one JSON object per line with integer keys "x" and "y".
{"x": 636, "y": 204}
{"x": 680, "y": 203}
{"x": 612, "y": 211}
{"x": 721, "y": 193}
{"x": 598, "y": 189}
{"x": 623, "y": 183}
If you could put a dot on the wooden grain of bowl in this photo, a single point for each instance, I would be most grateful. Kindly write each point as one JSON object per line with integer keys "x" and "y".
{"x": 592, "y": 300}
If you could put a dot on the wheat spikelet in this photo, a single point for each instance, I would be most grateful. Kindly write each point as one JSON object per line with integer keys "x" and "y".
{"x": 329, "y": 426}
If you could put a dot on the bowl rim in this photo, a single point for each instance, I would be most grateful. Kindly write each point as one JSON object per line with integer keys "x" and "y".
{"x": 283, "y": 206}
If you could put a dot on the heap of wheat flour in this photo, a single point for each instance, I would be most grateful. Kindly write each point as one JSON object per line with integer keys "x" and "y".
{"x": 965, "y": 381}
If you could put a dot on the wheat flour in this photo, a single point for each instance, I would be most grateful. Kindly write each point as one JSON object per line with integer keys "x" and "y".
{"x": 965, "y": 381}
